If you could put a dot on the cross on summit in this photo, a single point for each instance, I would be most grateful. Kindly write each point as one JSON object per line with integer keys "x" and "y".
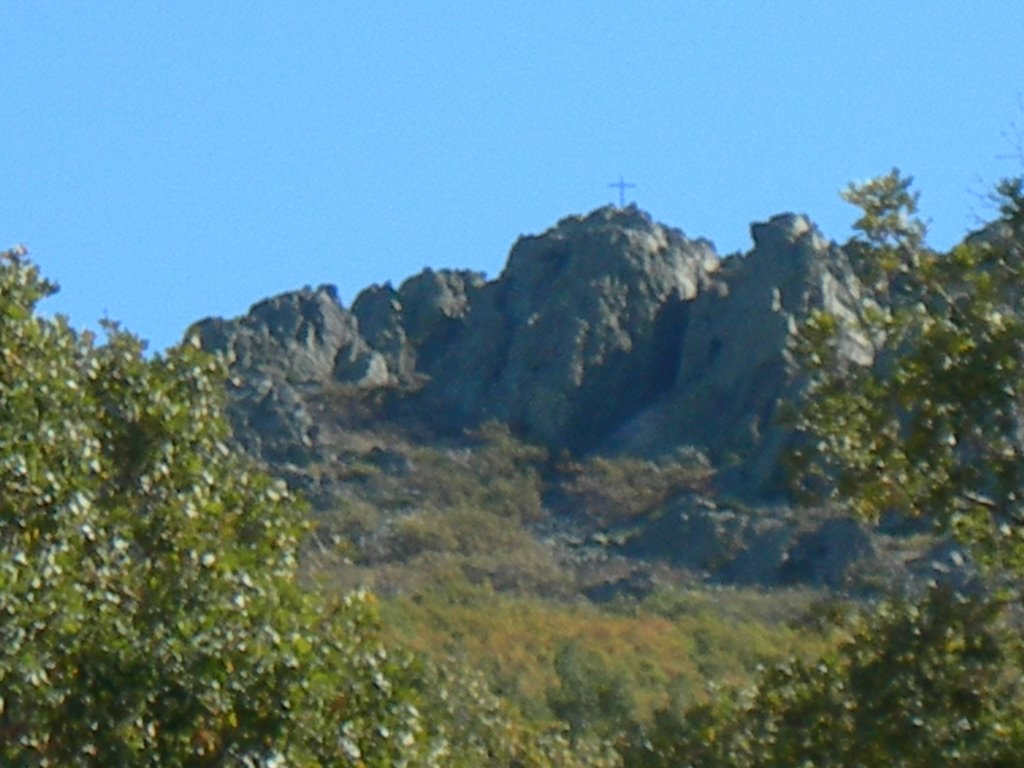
{"x": 622, "y": 186}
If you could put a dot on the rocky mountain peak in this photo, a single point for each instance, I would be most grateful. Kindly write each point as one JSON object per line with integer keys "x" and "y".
{"x": 578, "y": 330}
{"x": 608, "y": 332}
{"x": 611, "y": 243}
{"x": 615, "y": 344}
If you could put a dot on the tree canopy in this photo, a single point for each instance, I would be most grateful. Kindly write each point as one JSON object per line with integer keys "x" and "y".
{"x": 930, "y": 429}
{"x": 150, "y": 606}
{"x": 933, "y": 428}
{"x": 148, "y": 595}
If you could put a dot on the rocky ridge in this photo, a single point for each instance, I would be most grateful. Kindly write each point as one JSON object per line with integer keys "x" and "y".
{"x": 608, "y": 335}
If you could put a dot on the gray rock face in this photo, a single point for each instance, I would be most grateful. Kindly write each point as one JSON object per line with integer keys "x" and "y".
{"x": 609, "y": 332}
{"x": 379, "y": 312}
{"x": 734, "y": 363}
{"x": 413, "y": 326}
{"x": 765, "y": 546}
{"x": 580, "y": 330}
{"x": 283, "y": 349}
{"x": 822, "y": 557}
{"x": 301, "y": 337}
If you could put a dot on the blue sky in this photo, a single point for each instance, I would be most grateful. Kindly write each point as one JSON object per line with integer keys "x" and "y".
{"x": 169, "y": 161}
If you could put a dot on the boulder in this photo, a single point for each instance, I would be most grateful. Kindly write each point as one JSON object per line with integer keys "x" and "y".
{"x": 824, "y": 556}
{"x": 379, "y": 313}
{"x": 414, "y": 326}
{"x": 304, "y": 336}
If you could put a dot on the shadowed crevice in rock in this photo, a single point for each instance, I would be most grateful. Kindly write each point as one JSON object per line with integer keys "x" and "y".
{"x": 735, "y": 366}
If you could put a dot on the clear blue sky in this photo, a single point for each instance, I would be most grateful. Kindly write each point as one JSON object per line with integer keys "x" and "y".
{"x": 169, "y": 161}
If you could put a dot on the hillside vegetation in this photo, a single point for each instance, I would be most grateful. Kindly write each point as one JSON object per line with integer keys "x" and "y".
{"x": 618, "y": 580}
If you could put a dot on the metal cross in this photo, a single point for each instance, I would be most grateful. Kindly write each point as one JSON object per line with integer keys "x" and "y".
{"x": 622, "y": 186}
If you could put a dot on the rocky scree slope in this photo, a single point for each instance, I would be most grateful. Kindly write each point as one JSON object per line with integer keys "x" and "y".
{"x": 608, "y": 335}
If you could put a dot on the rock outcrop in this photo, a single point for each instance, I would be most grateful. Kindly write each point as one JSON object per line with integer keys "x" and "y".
{"x": 581, "y": 330}
{"x": 765, "y": 546}
{"x": 283, "y": 349}
{"x": 609, "y": 332}
{"x": 735, "y": 365}
{"x": 414, "y": 326}
{"x": 301, "y": 337}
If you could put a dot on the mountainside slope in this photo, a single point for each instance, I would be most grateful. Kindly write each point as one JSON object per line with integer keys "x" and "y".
{"x": 608, "y": 336}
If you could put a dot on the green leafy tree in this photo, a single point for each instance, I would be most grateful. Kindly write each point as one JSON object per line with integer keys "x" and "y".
{"x": 915, "y": 684}
{"x": 933, "y": 428}
{"x": 890, "y": 236}
{"x": 149, "y": 610}
{"x": 590, "y": 695}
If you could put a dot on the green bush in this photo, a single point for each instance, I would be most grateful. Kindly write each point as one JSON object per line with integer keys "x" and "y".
{"x": 591, "y": 695}
{"x": 915, "y": 684}
{"x": 492, "y": 471}
{"x": 610, "y": 490}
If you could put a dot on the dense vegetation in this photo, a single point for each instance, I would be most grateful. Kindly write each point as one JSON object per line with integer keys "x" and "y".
{"x": 931, "y": 429}
{"x": 164, "y": 602}
{"x": 151, "y": 610}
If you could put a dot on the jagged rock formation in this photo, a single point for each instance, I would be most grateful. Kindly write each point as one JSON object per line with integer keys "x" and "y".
{"x": 284, "y": 348}
{"x": 607, "y": 334}
{"x": 303, "y": 337}
{"x": 735, "y": 366}
{"x": 414, "y": 326}
{"x": 580, "y": 331}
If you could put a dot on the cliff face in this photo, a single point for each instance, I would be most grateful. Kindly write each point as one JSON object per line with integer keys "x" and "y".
{"x": 608, "y": 333}
{"x": 284, "y": 349}
{"x": 580, "y": 331}
{"x": 735, "y": 367}
{"x": 607, "y": 338}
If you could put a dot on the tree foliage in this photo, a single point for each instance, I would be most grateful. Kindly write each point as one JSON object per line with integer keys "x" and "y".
{"x": 916, "y": 684}
{"x": 932, "y": 429}
{"x": 150, "y": 612}
{"x": 589, "y": 694}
